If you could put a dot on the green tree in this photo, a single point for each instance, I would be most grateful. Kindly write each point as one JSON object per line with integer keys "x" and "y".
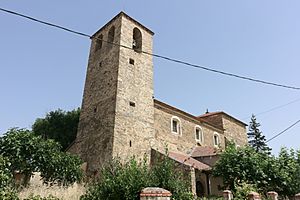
{"x": 288, "y": 171}
{"x": 256, "y": 139}
{"x": 28, "y": 153}
{"x": 245, "y": 165}
{"x": 58, "y": 125}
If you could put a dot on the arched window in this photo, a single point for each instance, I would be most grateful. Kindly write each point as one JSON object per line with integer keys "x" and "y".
{"x": 99, "y": 42}
{"x": 111, "y": 36}
{"x": 198, "y": 134}
{"x": 137, "y": 40}
{"x": 175, "y": 125}
{"x": 216, "y": 139}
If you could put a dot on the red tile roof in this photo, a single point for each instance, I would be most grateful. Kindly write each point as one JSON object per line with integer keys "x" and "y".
{"x": 220, "y": 113}
{"x": 204, "y": 151}
{"x": 210, "y": 113}
{"x": 189, "y": 161}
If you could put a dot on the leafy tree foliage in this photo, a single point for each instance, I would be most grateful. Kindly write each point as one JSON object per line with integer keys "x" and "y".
{"x": 244, "y": 166}
{"x": 165, "y": 175}
{"x": 6, "y": 190}
{"x": 288, "y": 170}
{"x": 58, "y": 125}
{"x": 5, "y": 175}
{"x": 256, "y": 139}
{"x": 241, "y": 165}
{"x": 28, "y": 153}
{"x": 125, "y": 181}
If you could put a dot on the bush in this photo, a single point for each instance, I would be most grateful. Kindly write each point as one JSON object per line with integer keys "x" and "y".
{"x": 165, "y": 175}
{"x": 243, "y": 190}
{"x": 8, "y": 193}
{"x": 5, "y": 175}
{"x": 120, "y": 181}
{"x": 6, "y": 190}
{"x": 125, "y": 181}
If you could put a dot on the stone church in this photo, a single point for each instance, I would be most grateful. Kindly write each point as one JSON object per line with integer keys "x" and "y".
{"x": 121, "y": 118}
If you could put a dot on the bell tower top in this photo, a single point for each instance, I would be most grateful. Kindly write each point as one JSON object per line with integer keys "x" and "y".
{"x": 123, "y": 14}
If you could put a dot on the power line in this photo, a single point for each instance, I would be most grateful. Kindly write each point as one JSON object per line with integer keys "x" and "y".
{"x": 275, "y": 136}
{"x": 274, "y": 108}
{"x": 155, "y": 55}
{"x": 43, "y": 22}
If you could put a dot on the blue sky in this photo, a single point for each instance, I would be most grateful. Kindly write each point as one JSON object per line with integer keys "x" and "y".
{"x": 42, "y": 68}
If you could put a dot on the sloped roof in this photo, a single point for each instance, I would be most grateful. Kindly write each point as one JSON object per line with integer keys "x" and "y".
{"x": 204, "y": 151}
{"x": 188, "y": 160}
{"x": 220, "y": 113}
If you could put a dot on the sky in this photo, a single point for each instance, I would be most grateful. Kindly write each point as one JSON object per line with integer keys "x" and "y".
{"x": 43, "y": 68}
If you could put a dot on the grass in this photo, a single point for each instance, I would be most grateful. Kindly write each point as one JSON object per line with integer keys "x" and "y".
{"x": 37, "y": 187}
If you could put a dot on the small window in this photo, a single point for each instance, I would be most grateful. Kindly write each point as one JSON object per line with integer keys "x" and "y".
{"x": 137, "y": 40}
{"x": 99, "y": 42}
{"x": 131, "y": 103}
{"x": 175, "y": 125}
{"x": 216, "y": 139}
{"x": 111, "y": 36}
{"x": 131, "y": 61}
{"x": 198, "y": 134}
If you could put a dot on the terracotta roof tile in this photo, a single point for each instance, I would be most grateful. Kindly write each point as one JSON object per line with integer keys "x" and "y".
{"x": 220, "y": 113}
{"x": 204, "y": 151}
{"x": 189, "y": 161}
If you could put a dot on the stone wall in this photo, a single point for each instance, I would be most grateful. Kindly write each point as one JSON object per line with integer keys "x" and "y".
{"x": 235, "y": 131}
{"x": 117, "y": 108}
{"x": 185, "y": 141}
{"x": 134, "y": 119}
{"x": 94, "y": 142}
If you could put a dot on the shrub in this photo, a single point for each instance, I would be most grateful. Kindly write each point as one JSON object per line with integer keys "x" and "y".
{"x": 165, "y": 175}
{"x": 119, "y": 181}
{"x": 243, "y": 190}
{"x": 8, "y": 193}
{"x": 6, "y": 190}
{"x": 125, "y": 181}
{"x": 5, "y": 175}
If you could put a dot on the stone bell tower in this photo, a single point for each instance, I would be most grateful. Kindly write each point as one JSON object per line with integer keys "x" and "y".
{"x": 117, "y": 113}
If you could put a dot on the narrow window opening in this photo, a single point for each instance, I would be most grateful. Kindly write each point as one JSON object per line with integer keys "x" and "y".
{"x": 216, "y": 139}
{"x": 198, "y": 134}
{"x": 99, "y": 42}
{"x": 175, "y": 126}
{"x": 131, "y": 61}
{"x": 132, "y": 104}
{"x": 111, "y": 36}
{"x": 95, "y": 109}
{"x": 130, "y": 143}
{"x": 137, "y": 40}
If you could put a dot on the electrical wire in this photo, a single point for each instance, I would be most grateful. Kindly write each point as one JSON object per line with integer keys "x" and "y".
{"x": 154, "y": 55}
{"x": 274, "y": 108}
{"x": 275, "y": 136}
